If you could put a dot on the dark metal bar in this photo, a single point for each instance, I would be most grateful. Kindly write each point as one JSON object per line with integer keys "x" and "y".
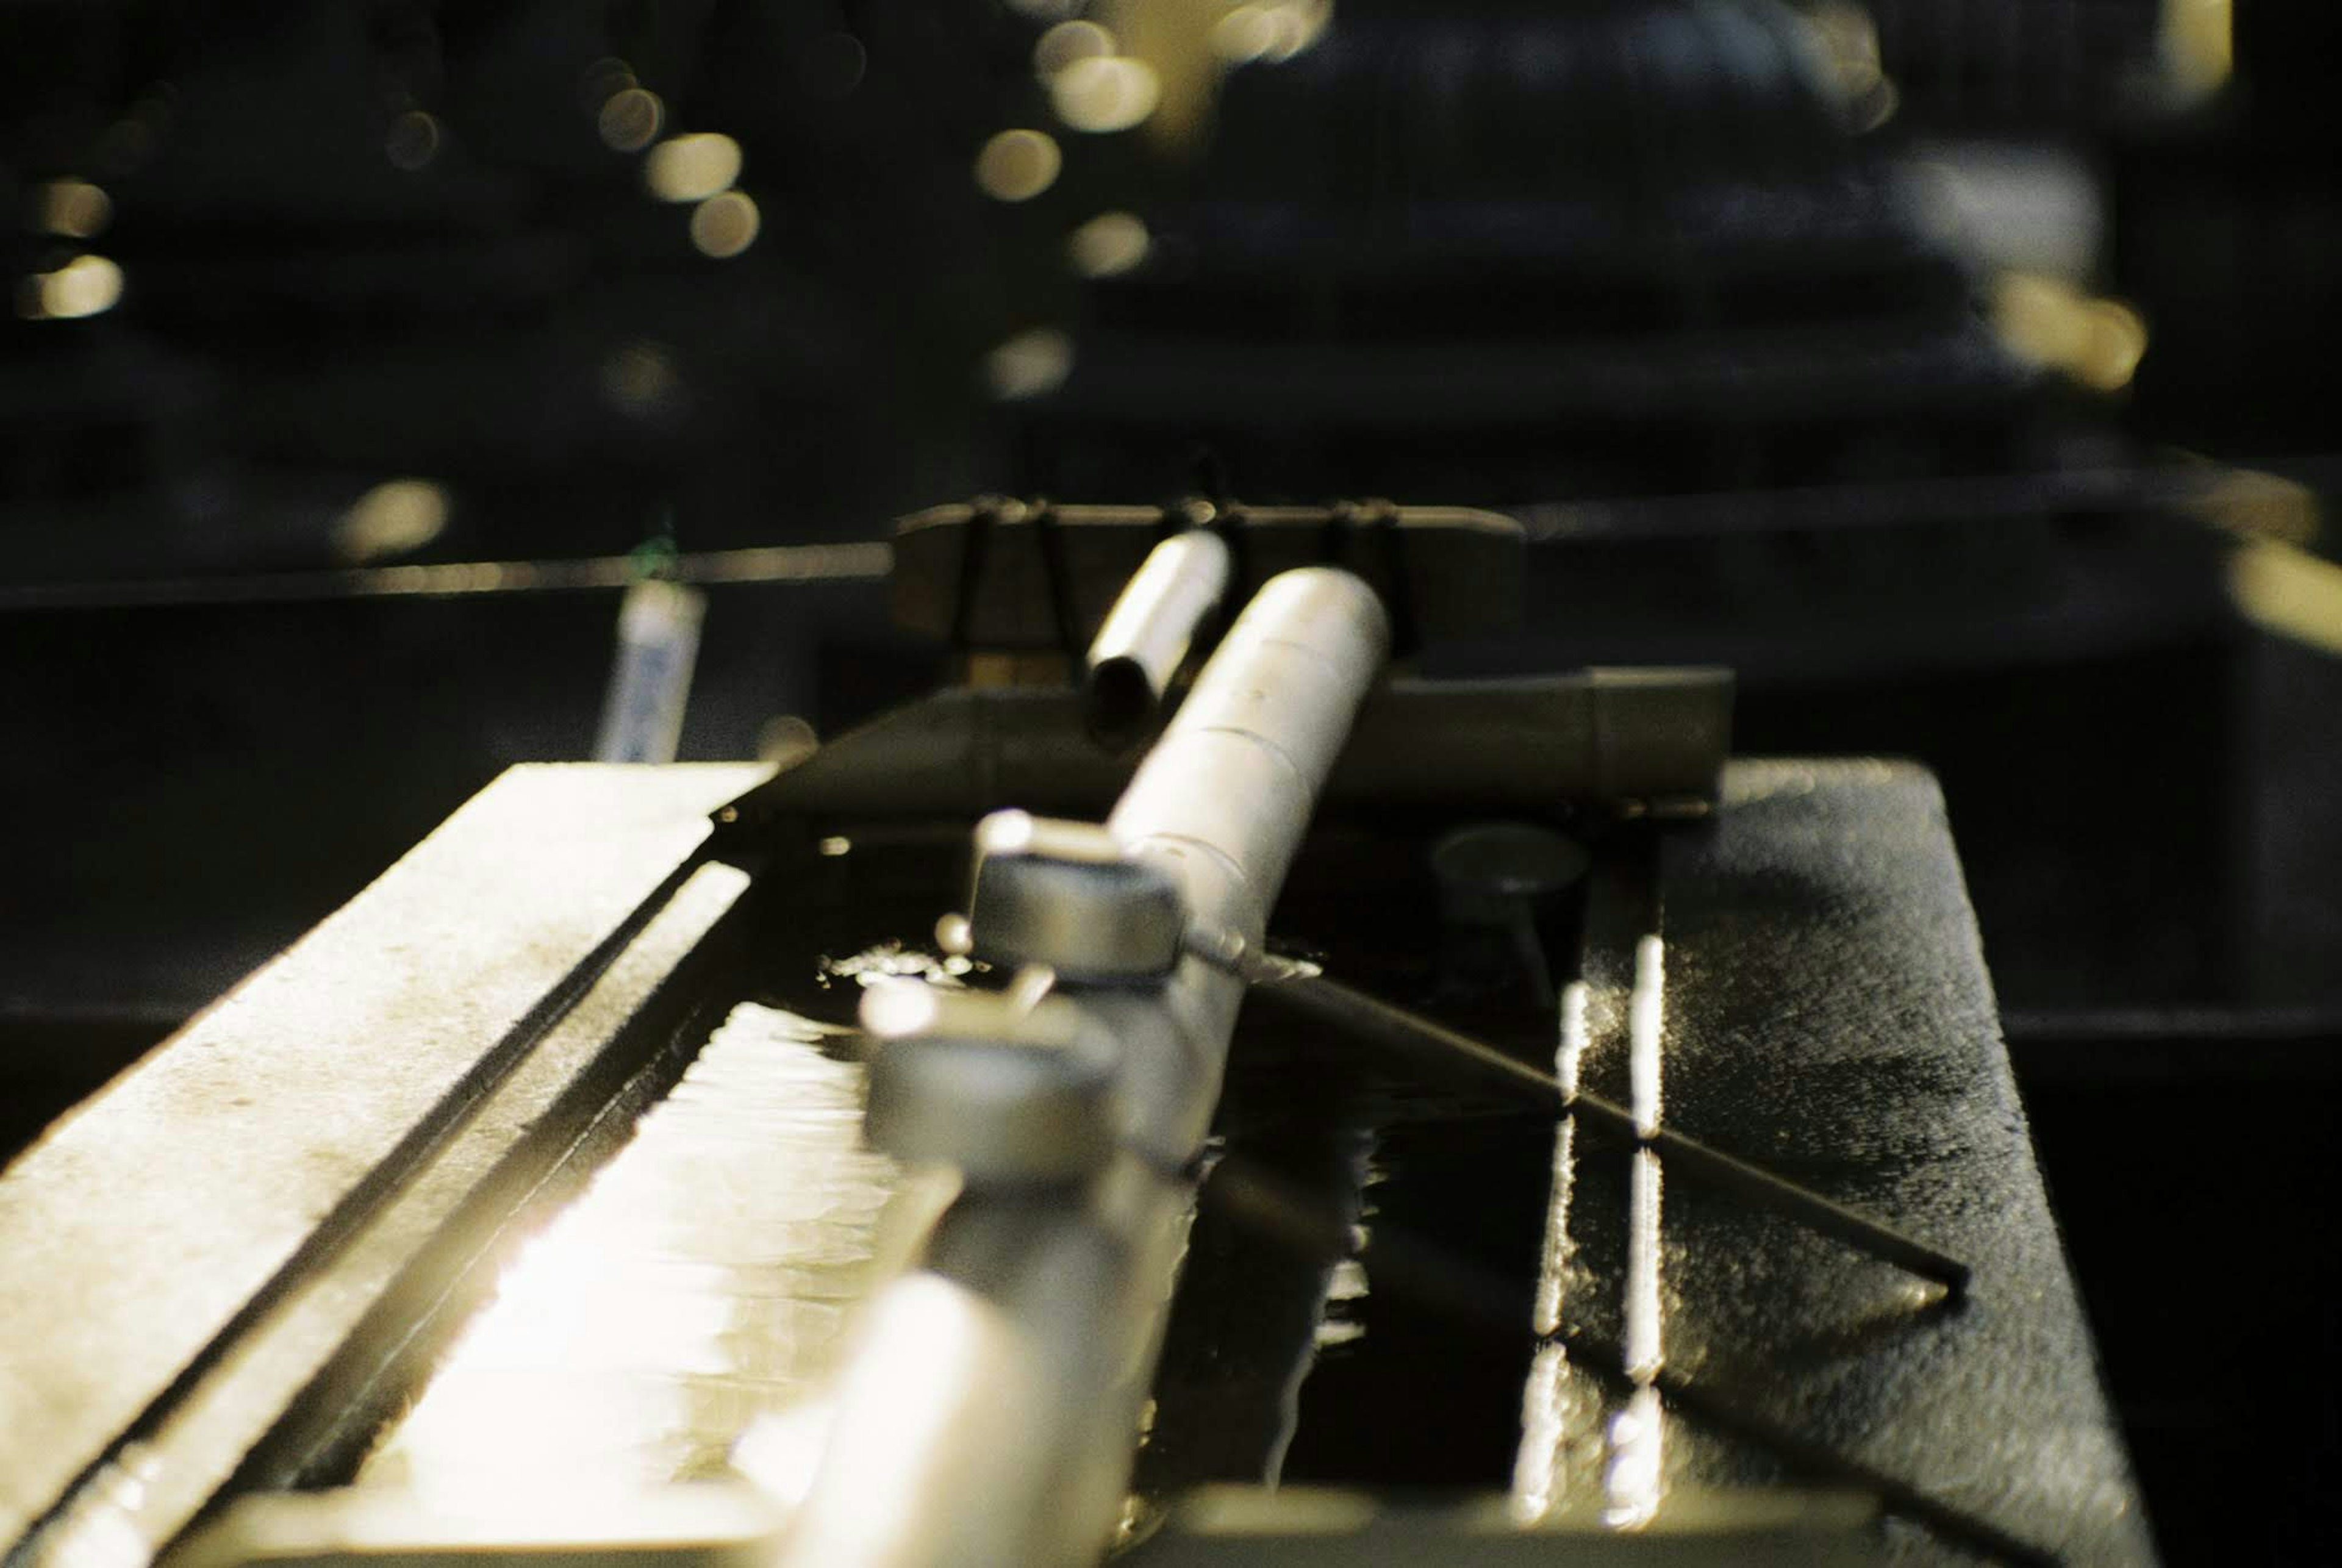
{"x": 842, "y": 562}
{"x": 1423, "y": 1042}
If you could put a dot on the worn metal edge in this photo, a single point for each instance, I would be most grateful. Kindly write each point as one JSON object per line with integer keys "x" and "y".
{"x": 55, "y": 1432}
{"x": 174, "y": 1462}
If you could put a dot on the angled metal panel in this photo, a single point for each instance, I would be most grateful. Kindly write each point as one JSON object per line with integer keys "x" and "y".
{"x": 151, "y": 1220}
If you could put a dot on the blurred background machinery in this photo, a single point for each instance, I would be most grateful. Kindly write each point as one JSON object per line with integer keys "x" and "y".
{"x": 1959, "y": 374}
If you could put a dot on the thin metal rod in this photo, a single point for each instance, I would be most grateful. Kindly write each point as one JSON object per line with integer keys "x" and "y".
{"x": 1255, "y": 1196}
{"x": 1424, "y": 1042}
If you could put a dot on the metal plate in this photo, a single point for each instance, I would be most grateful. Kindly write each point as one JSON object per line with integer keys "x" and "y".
{"x": 1819, "y": 1002}
{"x": 156, "y": 1217}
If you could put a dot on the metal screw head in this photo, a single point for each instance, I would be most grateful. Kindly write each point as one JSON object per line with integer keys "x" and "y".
{"x": 1012, "y": 1094}
{"x": 1065, "y": 894}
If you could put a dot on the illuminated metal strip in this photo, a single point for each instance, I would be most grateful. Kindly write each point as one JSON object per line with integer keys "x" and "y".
{"x": 703, "y": 1280}
{"x": 245, "y": 1156}
{"x": 861, "y": 562}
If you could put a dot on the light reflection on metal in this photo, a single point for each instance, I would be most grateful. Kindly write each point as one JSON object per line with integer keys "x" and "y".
{"x": 1190, "y": 44}
{"x": 1645, "y": 1011}
{"x": 2198, "y": 45}
{"x": 704, "y": 1280}
{"x": 1268, "y": 30}
{"x": 640, "y": 378}
{"x": 2253, "y": 504}
{"x": 1559, "y": 1411}
{"x": 692, "y": 168}
{"x": 724, "y": 225}
{"x": 2047, "y": 322}
{"x": 72, "y": 209}
{"x": 2285, "y": 589}
{"x": 1575, "y": 998}
{"x": 84, "y": 286}
{"x": 1069, "y": 42}
{"x": 1111, "y": 93}
{"x": 650, "y": 679}
{"x": 1019, "y": 165}
{"x": 1029, "y": 364}
{"x": 1108, "y": 245}
{"x": 392, "y": 518}
{"x": 603, "y": 80}
{"x": 412, "y": 141}
{"x": 1846, "y": 45}
{"x": 629, "y": 119}
{"x": 834, "y": 66}
{"x": 859, "y": 563}
{"x": 1645, "y": 1350}
{"x": 1634, "y": 1481}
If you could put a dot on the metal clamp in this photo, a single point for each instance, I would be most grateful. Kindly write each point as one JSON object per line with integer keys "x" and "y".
{"x": 1011, "y": 1089}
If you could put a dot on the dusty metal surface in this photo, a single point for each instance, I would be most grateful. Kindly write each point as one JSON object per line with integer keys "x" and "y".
{"x": 155, "y": 1217}
{"x": 703, "y": 1280}
{"x": 1813, "y": 995}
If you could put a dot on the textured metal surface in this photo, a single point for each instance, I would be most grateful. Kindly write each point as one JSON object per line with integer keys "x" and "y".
{"x": 150, "y": 1219}
{"x": 987, "y": 1419}
{"x": 1820, "y": 1000}
{"x": 1146, "y": 636}
{"x": 306, "y": 1368}
{"x": 703, "y": 1280}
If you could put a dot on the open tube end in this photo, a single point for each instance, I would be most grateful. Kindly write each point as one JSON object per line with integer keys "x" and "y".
{"x": 1120, "y": 703}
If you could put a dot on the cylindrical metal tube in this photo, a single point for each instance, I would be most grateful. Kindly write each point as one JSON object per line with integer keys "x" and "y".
{"x": 1221, "y": 802}
{"x": 1146, "y": 636}
{"x": 987, "y": 1417}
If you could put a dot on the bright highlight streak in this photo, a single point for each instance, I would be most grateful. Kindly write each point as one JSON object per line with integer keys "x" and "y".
{"x": 391, "y": 519}
{"x": 1108, "y": 245}
{"x": 85, "y": 285}
{"x": 726, "y": 224}
{"x": 1113, "y": 93}
{"x": 692, "y": 168}
{"x": 1019, "y": 165}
